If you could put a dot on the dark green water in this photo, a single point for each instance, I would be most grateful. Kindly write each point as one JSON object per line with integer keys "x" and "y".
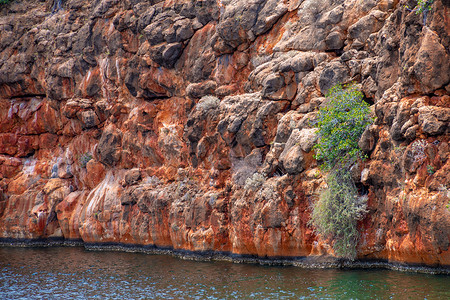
{"x": 68, "y": 273}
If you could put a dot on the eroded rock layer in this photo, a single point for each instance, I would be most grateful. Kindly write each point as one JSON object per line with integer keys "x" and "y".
{"x": 190, "y": 124}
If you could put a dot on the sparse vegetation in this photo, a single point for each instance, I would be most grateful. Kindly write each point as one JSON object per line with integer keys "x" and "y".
{"x": 430, "y": 169}
{"x": 208, "y": 103}
{"x": 422, "y": 7}
{"x": 84, "y": 159}
{"x": 243, "y": 169}
{"x": 339, "y": 207}
{"x": 446, "y": 192}
{"x": 399, "y": 149}
{"x": 254, "y": 182}
{"x": 418, "y": 151}
{"x": 336, "y": 213}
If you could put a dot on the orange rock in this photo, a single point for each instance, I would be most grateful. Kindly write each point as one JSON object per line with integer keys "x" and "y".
{"x": 8, "y": 143}
{"x": 95, "y": 172}
{"x": 68, "y": 212}
{"x": 9, "y": 166}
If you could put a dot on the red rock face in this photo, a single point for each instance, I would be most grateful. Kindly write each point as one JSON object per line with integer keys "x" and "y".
{"x": 190, "y": 124}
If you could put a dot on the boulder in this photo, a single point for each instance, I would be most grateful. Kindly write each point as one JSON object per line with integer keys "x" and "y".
{"x": 432, "y": 64}
{"x": 108, "y": 148}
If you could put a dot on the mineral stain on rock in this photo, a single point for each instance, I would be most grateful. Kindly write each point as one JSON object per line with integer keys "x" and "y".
{"x": 199, "y": 119}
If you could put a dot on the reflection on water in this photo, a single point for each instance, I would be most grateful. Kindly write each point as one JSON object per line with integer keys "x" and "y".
{"x": 52, "y": 273}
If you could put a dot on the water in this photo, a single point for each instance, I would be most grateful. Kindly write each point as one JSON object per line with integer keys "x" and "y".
{"x": 55, "y": 273}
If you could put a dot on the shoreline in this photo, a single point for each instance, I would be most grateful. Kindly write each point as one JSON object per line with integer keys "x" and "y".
{"x": 316, "y": 262}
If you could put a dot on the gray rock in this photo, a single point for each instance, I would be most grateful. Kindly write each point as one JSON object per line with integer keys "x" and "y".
{"x": 207, "y": 103}
{"x": 285, "y": 126}
{"x": 292, "y": 156}
{"x": 103, "y": 7}
{"x": 333, "y": 73}
{"x": 108, "y": 148}
{"x": 198, "y": 90}
{"x": 355, "y": 68}
{"x": 334, "y": 40}
{"x": 410, "y": 133}
{"x": 237, "y": 21}
{"x": 303, "y": 62}
{"x": 432, "y": 65}
{"x": 335, "y": 15}
{"x": 365, "y": 175}
{"x": 369, "y": 87}
{"x": 403, "y": 115}
{"x": 309, "y": 39}
{"x": 293, "y": 160}
{"x": 167, "y": 54}
{"x": 65, "y": 69}
{"x": 367, "y": 140}
{"x": 272, "y": 84}
{"x": 308, "y": 137}
{"x": 160, "y": 29}
{"x": 132, "y": 176}
{"x": 129, "y": 196}
{"x": 89, "y": 119}
{"x": 183, "y": 30}
{"x": 269, "y": 15}
{"x": 146, "y": 18}
{"x": 434, "y": 120}
{"x": 367, "y": 25}
{"x": 289, "y": 196}
{"x": 271, "y": 161}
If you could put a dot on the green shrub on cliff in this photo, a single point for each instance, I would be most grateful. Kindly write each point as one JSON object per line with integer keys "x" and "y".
{"x": 5, "y": 1}
{"x": 422, "y": 7}
{"x": 341, "y": 124}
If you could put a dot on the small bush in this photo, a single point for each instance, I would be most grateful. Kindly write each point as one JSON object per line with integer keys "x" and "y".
{"x": 84, "y": 159}
{"x": 418, "y": 151}
{"x": 341, "y": 124}
{"x": 208, "y": 103}
{"x": 5, "y": 1}
{"x": 254, "y": 182}
{"x": 245, "y": 168}
{"x": 423, "y": 6}
{"x": 336, "y": 213}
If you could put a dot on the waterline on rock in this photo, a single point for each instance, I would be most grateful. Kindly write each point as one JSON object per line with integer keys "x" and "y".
{"x": 311, "y": 262}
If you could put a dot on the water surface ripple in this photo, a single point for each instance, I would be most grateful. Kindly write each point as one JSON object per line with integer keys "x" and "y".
{"x": 55, "y": 273}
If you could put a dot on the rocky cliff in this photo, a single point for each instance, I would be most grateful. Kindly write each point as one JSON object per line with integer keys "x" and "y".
{"x": 190, "y": 124}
